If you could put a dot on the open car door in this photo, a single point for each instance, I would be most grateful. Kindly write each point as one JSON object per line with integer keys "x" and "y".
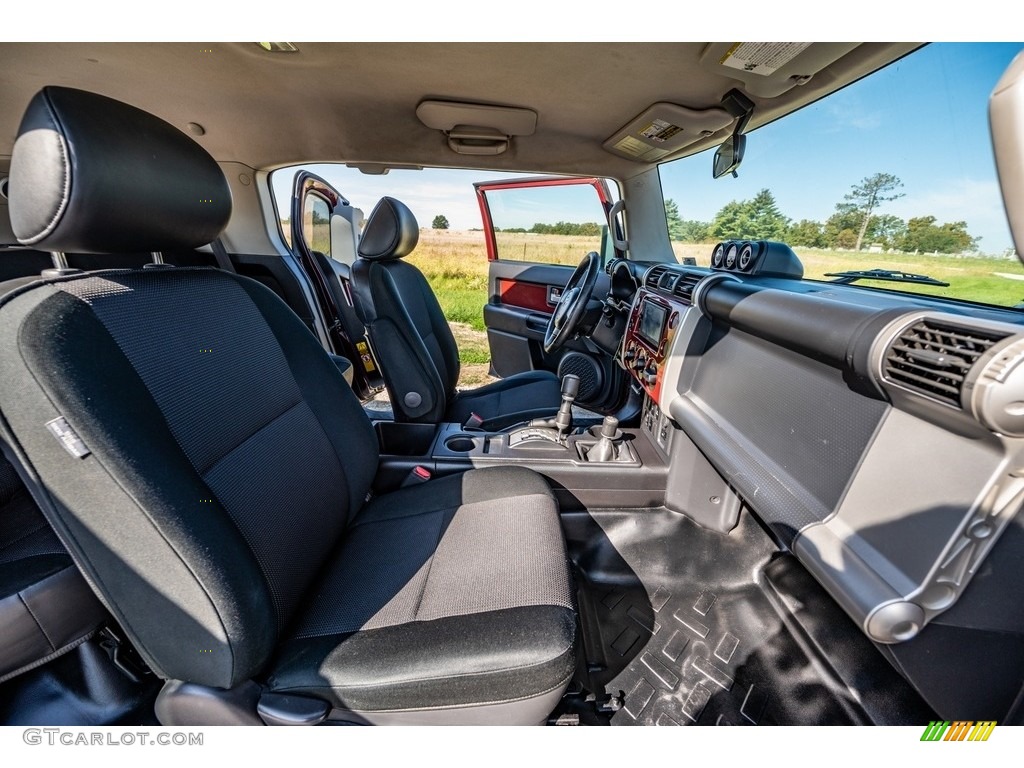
{"x": 324, "y": 232}
{"x": 537, "y": 231}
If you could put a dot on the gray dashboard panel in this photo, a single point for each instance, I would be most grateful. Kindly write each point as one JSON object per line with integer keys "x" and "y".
{"x": 892, "y": 504}
{"x": 793, "y": 409}
{"x": 911, "y": 491}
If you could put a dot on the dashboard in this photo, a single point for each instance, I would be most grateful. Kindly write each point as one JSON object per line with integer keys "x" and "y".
{"x": 878, "y": 436}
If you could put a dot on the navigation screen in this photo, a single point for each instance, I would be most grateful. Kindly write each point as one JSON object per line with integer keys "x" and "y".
{"x": 652, "y": 320}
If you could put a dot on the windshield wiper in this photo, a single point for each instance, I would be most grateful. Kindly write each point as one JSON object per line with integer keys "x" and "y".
{"x": 890, "y": 275}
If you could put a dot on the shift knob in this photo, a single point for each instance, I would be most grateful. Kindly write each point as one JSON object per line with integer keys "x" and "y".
{"x": 605, "y": 448}
{"x": 563, "y": 419}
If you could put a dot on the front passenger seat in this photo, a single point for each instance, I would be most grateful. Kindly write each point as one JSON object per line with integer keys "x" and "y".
{"x": 209, "y": 469}
{"x": 417, "y": 351}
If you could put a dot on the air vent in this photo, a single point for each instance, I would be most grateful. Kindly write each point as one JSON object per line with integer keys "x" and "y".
{"x": 653, "y": 277}
{"x": 684, "y": 288}
{"x": 933, "y": 358}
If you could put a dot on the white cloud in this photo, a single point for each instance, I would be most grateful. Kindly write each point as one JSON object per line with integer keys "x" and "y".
{"x": 851, "y": 115}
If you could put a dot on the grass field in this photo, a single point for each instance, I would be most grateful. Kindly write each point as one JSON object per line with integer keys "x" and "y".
{"x": 990, "y": 281}
{"x": 455, "y": 264}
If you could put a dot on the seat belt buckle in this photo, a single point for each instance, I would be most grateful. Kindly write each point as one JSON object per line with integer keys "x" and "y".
{"x": 475, "y": 421}
{"x": 418, "y": 474}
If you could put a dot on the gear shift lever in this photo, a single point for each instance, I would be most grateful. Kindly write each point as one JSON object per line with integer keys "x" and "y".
{"x": 605, "y": 448}
{"x": 563, "y": 419}
{"x": 539, "y": 433}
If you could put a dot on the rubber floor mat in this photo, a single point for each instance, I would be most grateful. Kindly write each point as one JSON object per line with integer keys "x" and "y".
{"x": 682, "y": 626}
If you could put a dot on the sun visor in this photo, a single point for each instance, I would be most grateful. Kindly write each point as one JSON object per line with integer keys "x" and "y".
{"x": 768, "y": 70}
{"x": 663, "y": 129}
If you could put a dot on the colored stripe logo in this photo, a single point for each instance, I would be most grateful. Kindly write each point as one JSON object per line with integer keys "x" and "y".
{"x": 958, "y": 730}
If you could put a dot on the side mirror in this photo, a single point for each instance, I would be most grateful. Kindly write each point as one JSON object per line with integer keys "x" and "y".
{"x": 729, "y": 156}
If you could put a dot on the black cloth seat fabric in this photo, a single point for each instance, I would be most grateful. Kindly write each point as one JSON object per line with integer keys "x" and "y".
{"x": 228, "y": 467}
{"x": 474, "y": 608}
{"x": 46, "y": 608}
{"x": 414, "y": 343}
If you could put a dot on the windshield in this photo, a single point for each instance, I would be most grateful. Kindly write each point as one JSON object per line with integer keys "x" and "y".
{"x": 894, "y": 173}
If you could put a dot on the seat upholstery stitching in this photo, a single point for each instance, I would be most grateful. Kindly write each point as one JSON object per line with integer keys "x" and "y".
{"x": 24, "y": 536}
{"x": 49, "y": 642}
{"x": 437, "y": 541}
{"x": 447, "y": 676}
{"x": 357, "y": 522}
{"x": 65, "y": 172}
{"x": 213, "y": 465}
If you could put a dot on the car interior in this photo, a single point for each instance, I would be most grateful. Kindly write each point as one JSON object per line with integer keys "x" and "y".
{"x": 714, "y": 495}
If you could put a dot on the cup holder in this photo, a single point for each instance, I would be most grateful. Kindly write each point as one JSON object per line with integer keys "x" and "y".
{"x": 460, "y": 443}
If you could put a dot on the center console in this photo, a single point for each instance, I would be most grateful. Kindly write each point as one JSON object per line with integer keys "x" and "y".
{"x": 648, "y": 337}
{"x": 632, "y": 474}
{"x": 662, "y": 330}
{"x": 653, "y": 465}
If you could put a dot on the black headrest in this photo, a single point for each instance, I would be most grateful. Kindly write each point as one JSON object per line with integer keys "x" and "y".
{"x": 94, "y": 175}
{"x": 391, "y": 231}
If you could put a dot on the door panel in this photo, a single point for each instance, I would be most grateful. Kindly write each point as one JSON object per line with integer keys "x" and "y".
{"x": 530, "y": 263}
{"x": 526, "y": 295}
{"x": 518, "y": 313}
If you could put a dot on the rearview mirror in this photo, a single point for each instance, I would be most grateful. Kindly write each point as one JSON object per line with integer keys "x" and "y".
{"x": 729, "y": 156}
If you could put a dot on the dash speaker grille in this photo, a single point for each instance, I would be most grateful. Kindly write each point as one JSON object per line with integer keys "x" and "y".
{"x": 584, "y": 366}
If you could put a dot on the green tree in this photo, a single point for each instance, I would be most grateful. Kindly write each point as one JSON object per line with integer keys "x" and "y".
{"x": 732, "y": 221}
{"x": 585, "y": 229}
{"x": 923, "y": 234}
{"x": 887, "y": 230}
{"x": 807, "y": 233}
{"x": 674, "y": 220}
{"x": 758, "y": 218}
{"x": 845, "y": 239}
{"x": 844, "y": 219}
{"x": 766, "y": 218}
{"x": 694, "y": 231}
{"x": 440, "y": 222}
{"x": 864, "y": 199}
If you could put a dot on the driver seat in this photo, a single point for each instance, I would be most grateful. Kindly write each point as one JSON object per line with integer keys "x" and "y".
{"x": 417, "y": 352}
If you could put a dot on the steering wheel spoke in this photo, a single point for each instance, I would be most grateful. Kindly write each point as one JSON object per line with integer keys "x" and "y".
{"x": 565, "y": 320}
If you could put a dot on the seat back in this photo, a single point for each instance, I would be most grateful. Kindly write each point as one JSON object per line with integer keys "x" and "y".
{"x": 410, "y": 335}
{"x": 46, "y": 608}
{"x": 196, "y": 449}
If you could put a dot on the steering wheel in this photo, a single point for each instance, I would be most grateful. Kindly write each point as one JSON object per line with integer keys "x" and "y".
{"x": 565, "y": 320}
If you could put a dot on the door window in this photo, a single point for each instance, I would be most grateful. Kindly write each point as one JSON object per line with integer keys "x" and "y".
{"x": 545, "y": 221}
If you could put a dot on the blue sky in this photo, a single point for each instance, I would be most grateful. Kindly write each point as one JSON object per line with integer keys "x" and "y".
{"x": 923, "y": 119}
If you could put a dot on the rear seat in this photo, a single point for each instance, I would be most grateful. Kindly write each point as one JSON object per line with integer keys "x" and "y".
{"x": 46, "y": 608}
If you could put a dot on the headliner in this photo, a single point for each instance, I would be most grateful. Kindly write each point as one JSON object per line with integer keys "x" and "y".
{"x": 356, "y": 102}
